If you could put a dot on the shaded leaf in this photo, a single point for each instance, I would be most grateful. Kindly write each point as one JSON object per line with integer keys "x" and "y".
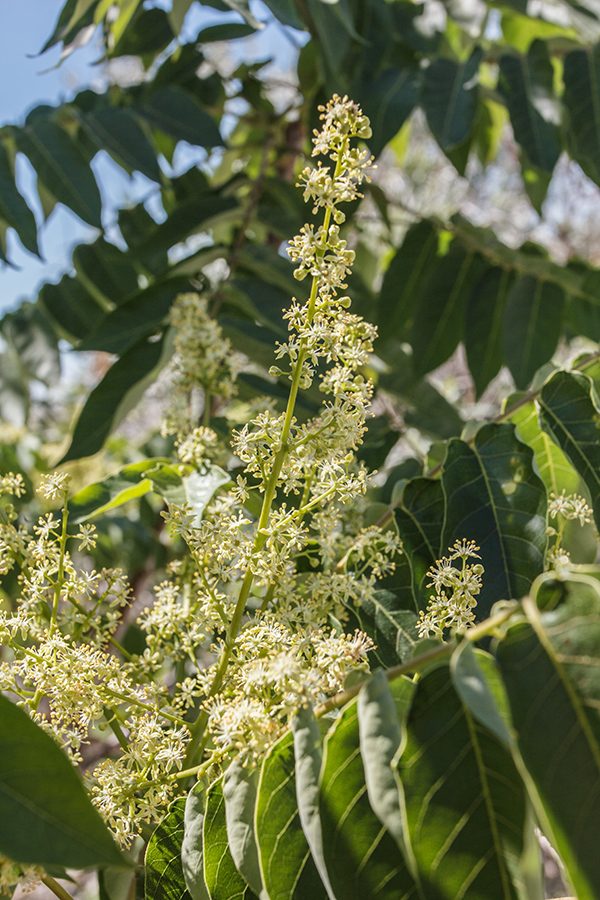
{"x": 483, "y": 324}
{"x": 192, "y": 850}
{"x": 105, "y": 271}
{"x": 449, "y": 98}
{"x": 391, "y": 626}
{"x": 532, "y": 326}
{"x": 118, "y": 131}
{"x": 239, "y": 792}
{"x": 46, "y": 815}
{"x": 551, "y": 667}
{"x": 464, "y": 798}
{"x": 175, "y": 112}
{"x": 13, "y": 208}
{"x": 419, "y": 519}
{"x": 494, "y": 497}
{"x": 470, "y": 671}
{"x": 581, "y": 75}
{"x": 71, "y": 306}
{"x": 35, "y": 342}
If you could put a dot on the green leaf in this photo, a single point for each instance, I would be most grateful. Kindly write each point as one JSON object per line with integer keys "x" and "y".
{"x": 470, "y": 671}
{"x": 449, "y": 98}
{"x": 35, "y": 342}
{"x": 554, "y": 468}
{"x": 71, "y": 306}
{"x": 46, "y": 816}
{"x": 198, "y": 213}
{"x": 532, "y": 326}
{"x": 195, "y": 488}
{"x": 494, "y": 497}
{"x": 14, "y": 390}
{"x": 61, "y": 167}
{"x": 381, "y": 708}
{"x": 526, "y": 83}
{"x": 551, "y": 668}
{"x": 137, "y": 316}
{"x": 192, "y": 851}
{"x": 392, "y": 627}
{"x": 105, "y": 271}
{"x": 308, "y": 755}
{"x": 164, "y": 871}
{"x": 115, "y": 490}
{"x": 581, "y": 102}
{"x": 388, "y": 101}
{"x": 419, "y": 519}
{"x": 74, "y": 15}
{"x": 483, "y": 325}
{"x": 175, "y": 112}
{"x": 13, "y": 208}
{"x": 228, "y": 31}
{"x": 404, "y": 281}
{"x": 119, "y": 390}
{"x": 279, "y": 833}
{"x": 147, "y": 34}
{"x": 464, "y": 798}
{"x": 570, "y": 413}
{"x": 438, "y": 324}
{"x": 118, "y": 131}
{"x": 223, "y": 880}
{"x": 362, "y": 857}
{"x": 239, "y": 792}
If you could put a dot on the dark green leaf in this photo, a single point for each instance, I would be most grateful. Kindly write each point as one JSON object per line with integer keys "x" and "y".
{"x": 470, "y": 670}
{"x": 362, "y": 858}
{"x": 532, "y": 326}
{"x": 388, "y": 100}
{"x": 494, "y": 498}
{"x": 70, "y": 305}
{"x": 581, "y": 100}
{"x": 118, "y": 131}
{"x": 526, "y": 82}
{"x": 551, "y": 667}
{"x": 228, "y": 31}
{"x": 570, "y": 412}
{"x": 449, "y": 98}
{"x": 35, "y": 342}
{"x": 198, "y": 213}
{"x": 111, "y": 400}
{"x": 176, "y": 113}
{"x": 223, "y": 880}
{"x": 465, "y": 801}
{"x": 483, "y": 325}
{"x": 404, "y": 281}
{"x": 279, "y": 833}
{"x": 438, "y": 324}
{"x": 149, "y": 32}
{"x": 13, "y": 208}
{"x": 139, "y": 315}
{"x": 61, "y": 167}
{"x": 105, "y": 271}
{"x": 46, "y": 816}
{"x": 164, "y": 871}
{"x": 391, "y": 626}
{"x": 419, "y": 519}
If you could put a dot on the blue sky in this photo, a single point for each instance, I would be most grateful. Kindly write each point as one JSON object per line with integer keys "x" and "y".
{"x": 28, "y": 80}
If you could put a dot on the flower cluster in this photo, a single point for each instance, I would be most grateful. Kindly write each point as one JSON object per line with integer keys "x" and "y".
{"x": 456, "y": 590}
{"x": 564, "y": 507}
{"x": 204, "y": 366}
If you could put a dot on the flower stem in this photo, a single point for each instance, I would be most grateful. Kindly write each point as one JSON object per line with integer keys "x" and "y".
{"x": 56, "y": 888}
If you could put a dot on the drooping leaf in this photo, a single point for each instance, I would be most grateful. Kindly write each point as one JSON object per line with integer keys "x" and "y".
{"x": 105, "y": 271}
{"x": 494, "y": 498}
{"x": 192, "y": 850}
{"x": 464, "y": 798}
{"x": 449, "y": 98}
{"x": 223, "y": 880}
{"x": 308, "y": 756}
{"x": 388, "y": 101}
{"x": 362, "y": 857}
{"x": 471, "y": 673}
{"x": 483, "y": 324}
{"x": 35, "y": 342}
{"x": 279, "y": 833}
{"x": 550, "y": 665}
{"x": 119, "y": 390}
{"x": 532, "y": 326}
{"x": 175, "y": 112}
{"x": 136, "y": 317}
{"x": 197, "y": 213}
{"x": 71, "y": 306}
{"x": 61, "y": 167}
{"x": 581, "y": 74}
{"x": 526, "y": 82}
{"x": 570, "y": 413}
{"x": 163, "y": 868}
{"x": 46, "y": 816}
{"x": 118, "y": 131}
{"x": 381, "y": 709}
{"x": 239, "y": 793}
{"x": 13, "y": 208}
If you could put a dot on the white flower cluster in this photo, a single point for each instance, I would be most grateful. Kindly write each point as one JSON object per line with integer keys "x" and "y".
{"x": 564, "y": 507}
{"x": 456, "y": 590}
{"x": 204, "y": 366}
{"x": 12, "y": 875}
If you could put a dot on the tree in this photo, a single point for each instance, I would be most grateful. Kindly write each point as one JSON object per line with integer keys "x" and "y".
{"x": 426, "y": 787}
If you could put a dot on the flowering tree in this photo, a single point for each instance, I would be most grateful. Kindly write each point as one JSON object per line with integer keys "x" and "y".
{"x": 334, "y": 691}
